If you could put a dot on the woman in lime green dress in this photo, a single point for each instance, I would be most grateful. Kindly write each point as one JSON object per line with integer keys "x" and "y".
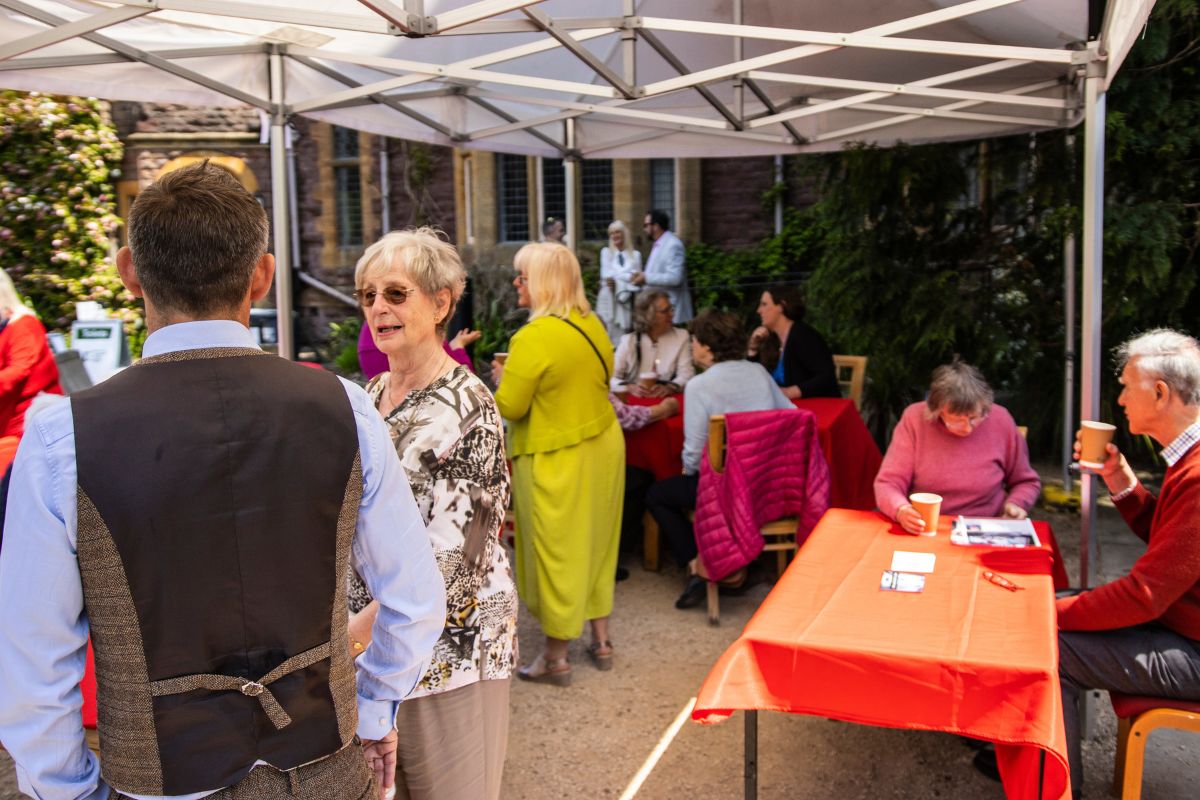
{"x": 568, "y": 457}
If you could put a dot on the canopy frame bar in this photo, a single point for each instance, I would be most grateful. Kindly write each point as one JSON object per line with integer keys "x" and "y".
{"x": 463, "y": 75}
{"x": 915, "y": 89}
{"x": 512, "y": 120}
{"x": 657, "y": 45}
{"x": 805, "y": 51}
{"x": 330, "y": 72}
{"x": 868, "y": 41}
{"x": 950, "y": 110}
{"x": 408, "y": 79}
{"x": 69, "y": 30}
{"x": 867, "y": 97}
{"x": 134, "y": 54}
{"x": 568, "y": 42}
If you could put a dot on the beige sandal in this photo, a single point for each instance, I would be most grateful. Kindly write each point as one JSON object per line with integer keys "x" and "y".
{"x": 601, "y": 654}
{"x": 542, "y": 670}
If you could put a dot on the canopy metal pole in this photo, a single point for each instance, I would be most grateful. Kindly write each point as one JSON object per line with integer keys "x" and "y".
{"x": 1093, "y": 272}
{"x": 1068, "y": 436}
{"x": 279, "y": 207}
{"x": 739, "y": 90}
{"x": 571, "y": 178}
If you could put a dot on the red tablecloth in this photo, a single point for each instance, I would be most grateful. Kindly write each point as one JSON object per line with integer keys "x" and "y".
{"x": 852, "y": 454}
{"x": 964, "y": 656}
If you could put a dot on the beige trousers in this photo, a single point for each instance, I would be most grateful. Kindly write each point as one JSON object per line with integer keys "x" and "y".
{"x": 343, "y": 775}
{"x": 452, "y": 744}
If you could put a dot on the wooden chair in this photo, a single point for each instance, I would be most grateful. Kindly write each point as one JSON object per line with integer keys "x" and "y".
{"x": 1136, "y": 718}
{"x": 851, "y": 373}
{"x": 779, "y": 535}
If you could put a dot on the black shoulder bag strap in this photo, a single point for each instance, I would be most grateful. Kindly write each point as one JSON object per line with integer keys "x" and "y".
{"x": 591, "y": 344}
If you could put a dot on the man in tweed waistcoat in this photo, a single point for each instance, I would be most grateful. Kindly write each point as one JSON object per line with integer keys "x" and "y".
{"x": 196, "y": 515}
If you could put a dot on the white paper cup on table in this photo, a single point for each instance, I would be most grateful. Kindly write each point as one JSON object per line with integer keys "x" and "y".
{"x": 929, "y": 506}
{"x": 648, "y": 380}
{"x": 500, "y": 358}
{"x": 1093, "y": 443}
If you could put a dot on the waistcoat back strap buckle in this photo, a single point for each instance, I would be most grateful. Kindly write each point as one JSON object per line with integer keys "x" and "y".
{"x": 257, "y": 689}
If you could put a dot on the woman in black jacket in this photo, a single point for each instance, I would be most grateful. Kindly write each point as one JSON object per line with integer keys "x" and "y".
{"x": 791, "y": 350}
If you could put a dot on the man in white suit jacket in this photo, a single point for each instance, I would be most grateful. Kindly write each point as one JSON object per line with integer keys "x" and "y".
{"x": 665, "y": 268}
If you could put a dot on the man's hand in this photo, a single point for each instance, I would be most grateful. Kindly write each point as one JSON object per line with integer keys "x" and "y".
{"x": 381, "y": 758}
{"x": 658, "y": 390}
{"x": 909, "y": 519}
{"x": 791, "y": 392}
{"x": 636, "y": 390}
{"x": 1014, "y": 511}
{"x": 497, "y": 372}
{"x": 638, "y": 279}
{"x": 1118, "y": 475}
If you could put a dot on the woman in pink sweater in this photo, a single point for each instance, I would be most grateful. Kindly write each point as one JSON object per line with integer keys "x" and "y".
{"x": 958, "y": 444}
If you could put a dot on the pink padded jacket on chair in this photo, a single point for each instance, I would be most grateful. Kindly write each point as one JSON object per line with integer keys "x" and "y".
{"x": 774, "y": 468}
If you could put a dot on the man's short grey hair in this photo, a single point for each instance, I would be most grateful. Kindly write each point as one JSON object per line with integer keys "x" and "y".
{"x": 1169, "y": 356}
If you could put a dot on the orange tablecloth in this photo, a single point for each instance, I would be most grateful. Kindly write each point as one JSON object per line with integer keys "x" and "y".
{"x": 852, "y": 454}
{"x": 964, "y": 656}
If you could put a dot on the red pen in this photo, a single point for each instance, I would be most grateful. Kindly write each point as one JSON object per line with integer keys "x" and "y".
{"x": 1001, "y": 581}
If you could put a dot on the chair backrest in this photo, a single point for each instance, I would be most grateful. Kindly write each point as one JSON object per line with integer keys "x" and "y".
{"x": 716, "y": 442}
{"x": 851, "y": 372}
{"x": 72, "y": 375}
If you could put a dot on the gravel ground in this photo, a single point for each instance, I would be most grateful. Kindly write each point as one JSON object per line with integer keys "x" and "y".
{"x": 590, "y": 740}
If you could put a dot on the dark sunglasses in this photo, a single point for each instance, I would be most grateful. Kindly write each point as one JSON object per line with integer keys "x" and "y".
{"x": 392, "y": 295}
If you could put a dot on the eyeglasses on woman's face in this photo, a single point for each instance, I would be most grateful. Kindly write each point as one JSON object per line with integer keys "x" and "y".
{"x": 392, "y": 295}
{"x": 667, "y": 309}
{"x": 962, "y": 423}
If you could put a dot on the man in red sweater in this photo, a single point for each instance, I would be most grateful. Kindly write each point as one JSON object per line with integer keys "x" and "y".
{"x": 1141, "y": 634}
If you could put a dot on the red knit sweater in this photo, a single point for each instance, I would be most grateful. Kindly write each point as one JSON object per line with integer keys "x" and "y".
{"x": 1164, "y": 584}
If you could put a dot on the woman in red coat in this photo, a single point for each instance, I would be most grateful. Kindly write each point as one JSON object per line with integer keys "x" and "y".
{"x": 27, "y": 367}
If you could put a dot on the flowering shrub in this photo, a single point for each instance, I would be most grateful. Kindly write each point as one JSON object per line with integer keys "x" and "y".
{"x": 57, "y": 206}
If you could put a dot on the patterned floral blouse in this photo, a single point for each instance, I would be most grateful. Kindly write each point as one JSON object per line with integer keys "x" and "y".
{"x": 451, "y": 444}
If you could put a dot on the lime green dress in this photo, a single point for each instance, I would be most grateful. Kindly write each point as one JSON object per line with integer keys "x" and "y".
{"x": 568, "y": 457}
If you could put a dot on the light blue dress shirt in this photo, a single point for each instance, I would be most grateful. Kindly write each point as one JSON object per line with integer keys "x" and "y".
{"x": 44, "y": 630}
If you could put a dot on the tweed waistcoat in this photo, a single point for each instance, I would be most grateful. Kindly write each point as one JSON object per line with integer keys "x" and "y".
{"x": 218, "y": 493}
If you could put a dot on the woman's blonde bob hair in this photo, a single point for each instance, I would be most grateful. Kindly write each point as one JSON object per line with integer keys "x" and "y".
{"x": 424, "y": 256}
{"x": 10, "y": 301}
{"x": 553, "y": 279}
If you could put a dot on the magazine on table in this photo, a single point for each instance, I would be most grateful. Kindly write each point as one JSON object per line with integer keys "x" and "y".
{"x": 987, "y": 532}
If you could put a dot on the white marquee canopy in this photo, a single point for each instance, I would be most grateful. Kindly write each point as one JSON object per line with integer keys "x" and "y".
{"x": 610, "y": 78}
{"x": 636, "y": 78}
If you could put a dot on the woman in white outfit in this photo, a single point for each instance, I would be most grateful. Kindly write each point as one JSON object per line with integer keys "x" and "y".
{"x": 618, "y": 263}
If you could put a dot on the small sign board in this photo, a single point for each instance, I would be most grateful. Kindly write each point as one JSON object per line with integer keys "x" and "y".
{"x": 102, "y": 345}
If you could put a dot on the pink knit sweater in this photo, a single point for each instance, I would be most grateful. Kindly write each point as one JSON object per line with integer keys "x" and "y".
{"x": 975, "y": 474}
